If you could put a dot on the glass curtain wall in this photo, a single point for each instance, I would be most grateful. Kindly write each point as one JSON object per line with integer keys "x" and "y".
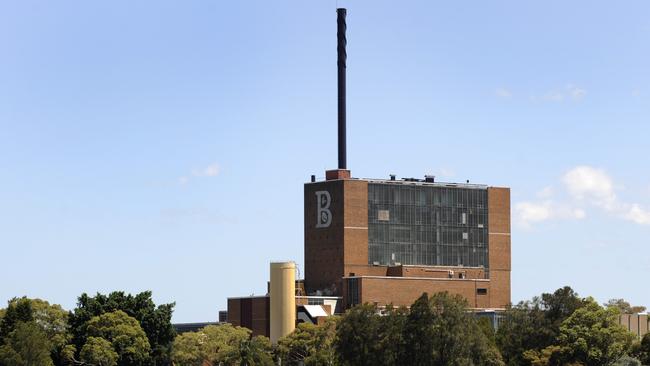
{"x": 423, "y": 224}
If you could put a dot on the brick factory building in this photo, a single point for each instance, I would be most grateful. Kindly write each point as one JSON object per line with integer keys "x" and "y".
{"x": 387, "y": 241}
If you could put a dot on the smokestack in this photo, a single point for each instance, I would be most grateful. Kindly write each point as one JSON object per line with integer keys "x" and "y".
{"x": 342, "y": 56}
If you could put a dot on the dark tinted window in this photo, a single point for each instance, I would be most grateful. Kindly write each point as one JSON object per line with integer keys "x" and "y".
{"x": 427, "y": 225}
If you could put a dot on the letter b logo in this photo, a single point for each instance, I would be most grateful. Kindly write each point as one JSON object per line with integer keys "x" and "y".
{"x": 323, "y": 213}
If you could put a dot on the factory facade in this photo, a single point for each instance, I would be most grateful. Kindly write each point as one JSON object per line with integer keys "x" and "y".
{"x": 388, "y": 241}
{"x": 385, "y": 242}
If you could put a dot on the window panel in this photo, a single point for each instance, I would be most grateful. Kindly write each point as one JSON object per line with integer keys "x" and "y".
{"x": 427, "y": 225}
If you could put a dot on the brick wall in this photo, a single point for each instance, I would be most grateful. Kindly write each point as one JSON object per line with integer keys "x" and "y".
{"x": 342, "y": 247}
{"x": 403, "y": 291}
{"x": 250, "y": 312}
{"x": 499, "y": 241}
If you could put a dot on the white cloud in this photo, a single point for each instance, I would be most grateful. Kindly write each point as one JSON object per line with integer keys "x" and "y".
{"x": 503, "y": 93}
{"x": 579, "y": 213}
{"x": 637, "y": 214}
{"x": 569, "y": 92}
{"x": 576, "y": 92}
{"x": 588, "y": 183}
{"x": 585, "y": 185}
{"x": 527, "y": 213}
{"x": 211, "y": 170}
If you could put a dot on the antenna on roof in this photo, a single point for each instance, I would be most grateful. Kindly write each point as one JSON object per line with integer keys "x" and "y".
{"x": 341, "y": 63}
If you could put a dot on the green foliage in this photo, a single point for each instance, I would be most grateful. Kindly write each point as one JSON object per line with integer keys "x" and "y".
{"x": 98, "y": 352}
{"x": 222, "y": 340}
{"x": 456, "y": 336}
{"x": 221, "y": 344}
{"x": 419, "y": 333}
{"x": 254, "y": 351}
{"x": 561, "y": 304}
{"x": 154, "y": 320}
{"x": 436, "y": 331}
{"x": 627, "y": 361}
{"x": 523, "y": 328}
{"x": 309, "y": 345}
{"x": 486, "y": 327}
{"x": 556, "y": 329}
{"x": 26, "y": 345}
{"x": 391, "y": 335}
{"x": 124, "y": 333}
{"x": 592, "y": 336}
{"x": 624, "y": 306}
{"x": 534, "y": 325}
{"x": 643, "y": 350}
{"x": 550, "y": 355}
{"x": 19, "y": 310}
{"x": 51, "y": 319}
{"x": 357, "y": 336}
{"x": 190, "y": 349}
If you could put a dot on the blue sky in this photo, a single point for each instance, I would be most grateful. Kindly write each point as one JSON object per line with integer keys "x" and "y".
{"x": 163, "y": 145}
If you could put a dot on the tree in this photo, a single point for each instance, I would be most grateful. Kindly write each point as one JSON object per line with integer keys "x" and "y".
{"x": 223, "y": 340}
{"x": 560, "y": 305}
{"x": 643, "y": 349}
{"x": 52, "y": 320}
{"x": 98, "y": 352}
{"x": 436, "y": 331}
{"x": 357, "y": 336}
{"x": 391, "y": 335}
{"x": 366, "y": 337}
{"x": 254, "y": 351}
{"x": 125, "y": 335}
{"x": 624, "y": 306}
{"x": 549, "y": 356}
{"x": 154, "y": 320}
{"x": 523, "y": 328}
{"x": 534, "y": 325}
{"x": 487, "y": 329}
{"x": 19, "y": 310}
{"x": 189, "y": 349}
{"x": 419, "y": 333}
{"x": 26, "y": 345}
{"x": 221, "y": 344}
{"x": 627, "y": 361}
{"x": 592, "y": 336}
{"x": 458, "y": 339}
{"x": 309, "y": 344}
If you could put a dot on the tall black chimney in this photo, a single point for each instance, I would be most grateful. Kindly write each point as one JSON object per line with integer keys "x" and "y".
{"x": 342, "y": 56}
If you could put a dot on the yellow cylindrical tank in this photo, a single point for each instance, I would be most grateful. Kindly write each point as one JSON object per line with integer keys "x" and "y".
{"x": 283, "y": 299}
